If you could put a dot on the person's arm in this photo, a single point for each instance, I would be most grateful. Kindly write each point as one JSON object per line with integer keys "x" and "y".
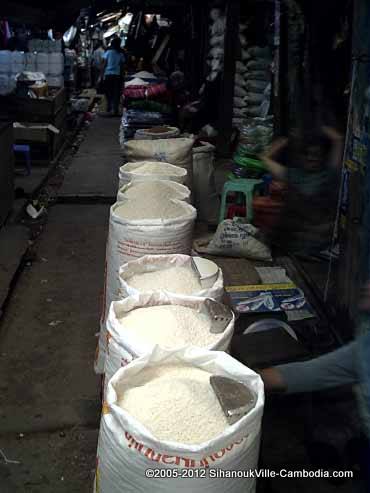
{"x": 325, "y": 372}
{"x": 277, "y": 170}
{"x": 336, "y": 150}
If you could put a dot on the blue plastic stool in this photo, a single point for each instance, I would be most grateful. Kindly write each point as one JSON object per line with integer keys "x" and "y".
{"x": 245, "y": 186}
{"x": 26, "y": 151}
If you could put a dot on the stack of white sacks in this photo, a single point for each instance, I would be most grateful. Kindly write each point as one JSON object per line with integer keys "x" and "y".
{"x": 217, "y": 40}
{"x": 52, "y": 65}
{"x": 15, "y": 62}
{"x": 10, "y": 63}
{"x": 252, "y": 90}
{"x": 156, "y": 334}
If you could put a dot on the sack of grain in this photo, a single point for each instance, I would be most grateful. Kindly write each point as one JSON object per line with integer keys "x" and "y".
{"x": 218, "y": 28}
{"x": 254, "y": 111}
{"x": 240, "y": 68}
{"x": 217, "y": 40}
{"x": 239, "y": 80}
{"x": 164, "y": 188}
{"x": 254, "y": 98}
{"x": 138, "y": 323}
{"x": 157, "y": 133}
{"x": 236, "y": 239}
{"x": 245, "y": 55}
{"x": 180, "y": 438}
{"x": 206, "y": 198}
{"x": 177, "y": 277}
{"x": 174, "y": 151}
{"x": 238, "y": 102}
{"x": 259, "y": 75}
{"x": 239, "y": 112}
{"x": 256, "y": 85}
{"x": 166, "y": 228}
{"x": 258, "y": 52}
{"x": 238, "y": 122}
{"x": 260, "y": 64}
{"x": 217, "y": 52}
{"x": 239, "y": 92}
{"x": 243, "y": 40}
{"x": 150, "y": 170}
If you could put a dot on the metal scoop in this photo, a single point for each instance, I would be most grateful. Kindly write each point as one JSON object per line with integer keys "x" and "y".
{"x": 236, "y": 400}
{"x": 196, "y": 270}
{"x": 220, "y": 315}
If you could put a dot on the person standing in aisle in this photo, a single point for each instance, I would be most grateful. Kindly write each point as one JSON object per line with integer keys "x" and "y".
{"x": 112, "y": 74}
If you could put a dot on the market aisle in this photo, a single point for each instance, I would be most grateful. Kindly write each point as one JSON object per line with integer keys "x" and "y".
{"x": 49, "y": 394}
{"x": 95, "y": 166}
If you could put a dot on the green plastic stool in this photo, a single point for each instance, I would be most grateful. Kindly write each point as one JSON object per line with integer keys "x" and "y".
{"x": 243, "y": 185}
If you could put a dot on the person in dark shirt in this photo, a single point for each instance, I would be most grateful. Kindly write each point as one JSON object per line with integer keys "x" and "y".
{"x": 306, "y": 223}
{"x": 112, "y": 73}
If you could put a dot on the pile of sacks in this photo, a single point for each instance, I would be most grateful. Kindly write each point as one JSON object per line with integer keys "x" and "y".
{"x": 163, "y": 324}
{"x": 145, "y": 100}
{"x": 252, "y": 90}
{"x": 217, "y": 30}
{"x": 15, "y": 62}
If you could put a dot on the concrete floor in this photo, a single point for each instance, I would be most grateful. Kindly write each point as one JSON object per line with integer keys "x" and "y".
{"x": 49, "y": 395}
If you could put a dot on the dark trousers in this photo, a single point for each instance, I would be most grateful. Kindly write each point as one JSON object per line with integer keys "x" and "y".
{"x": 112, "y": 84}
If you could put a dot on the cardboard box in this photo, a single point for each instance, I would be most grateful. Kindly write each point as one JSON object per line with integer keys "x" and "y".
{"x": 33, "y": 132}
{"x": 41, "y": 110}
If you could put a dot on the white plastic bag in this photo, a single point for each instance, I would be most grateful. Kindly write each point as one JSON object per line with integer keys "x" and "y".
{"x": 122, "y": 345}
{"x": 174, "y": 151}
{"x": 129, "y": 240}
{"x": 176, "y": 190}
{"x": 152, "y": 263}
{"x": 127, "y": 449}
{"x": 236, "y": 239}
{"x": 205, "y": 195}
{"x": 128, "y": 174}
